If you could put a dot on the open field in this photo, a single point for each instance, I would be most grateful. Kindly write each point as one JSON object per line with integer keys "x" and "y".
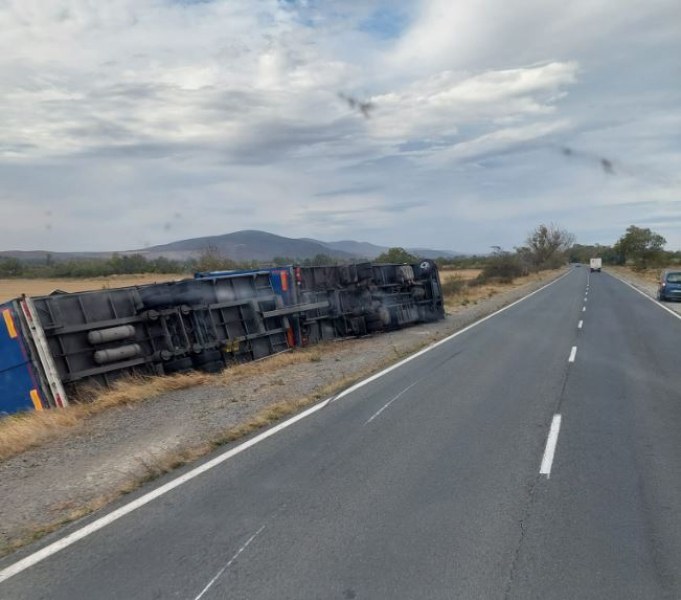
{"x": 13, "y": 288}
{"x": 465, "y": 274}
{"x": 467, "y": 295}
{"x": 647, "y": 275}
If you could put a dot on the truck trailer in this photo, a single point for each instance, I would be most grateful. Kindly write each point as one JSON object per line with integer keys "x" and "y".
{"x": 54, "y": 347}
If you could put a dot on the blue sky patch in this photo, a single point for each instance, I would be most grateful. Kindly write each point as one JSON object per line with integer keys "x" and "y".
{"x": 385, "y": 23}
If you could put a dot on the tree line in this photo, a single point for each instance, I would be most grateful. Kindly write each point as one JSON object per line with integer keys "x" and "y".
{"x": 639, "y": 247}
{"x": 546, "y": 247}
{"x": 136, "y": 264}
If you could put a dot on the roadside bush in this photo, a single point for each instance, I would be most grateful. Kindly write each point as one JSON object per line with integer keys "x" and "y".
{"x": 453, "y": 286}
{"x": 502, "y": 267}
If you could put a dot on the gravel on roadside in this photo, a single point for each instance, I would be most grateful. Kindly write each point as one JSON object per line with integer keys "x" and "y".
{"x": 51, "y": 483}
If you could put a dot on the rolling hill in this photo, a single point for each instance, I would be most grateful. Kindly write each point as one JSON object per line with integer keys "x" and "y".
{"x": 246, "y": 245}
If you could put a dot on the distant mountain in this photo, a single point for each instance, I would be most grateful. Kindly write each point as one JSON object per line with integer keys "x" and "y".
{"x": 244, "y": 245}
{"x": 371, "y": 251}
{"x": 358, "y": 249}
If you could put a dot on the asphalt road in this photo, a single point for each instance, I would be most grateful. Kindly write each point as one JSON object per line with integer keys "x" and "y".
{"x": 439, "y": 479}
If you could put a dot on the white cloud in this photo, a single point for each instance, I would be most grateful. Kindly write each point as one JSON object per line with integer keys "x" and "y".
{"x": 112, "y": 112}
{"x": 440, "y": 105}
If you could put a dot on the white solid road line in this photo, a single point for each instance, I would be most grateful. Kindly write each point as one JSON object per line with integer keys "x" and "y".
{"x": 550, "y": 449}
{"x": 101, "y": 522}
{"x": 579, "y": 325}
{"x": 109, "y": 518}
{"x": 573, "y": 353}
{"x": 653, "y": 300}
{"x": 229, "y": 563}
{"x": 389, "y": 402}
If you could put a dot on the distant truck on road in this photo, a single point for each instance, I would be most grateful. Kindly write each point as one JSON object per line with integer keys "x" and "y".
{"x": 595, "y": 264}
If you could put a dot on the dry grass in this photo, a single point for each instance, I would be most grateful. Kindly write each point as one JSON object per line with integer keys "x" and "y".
{"x": 474, "y": 294}
{"x": 26, "y": 430}
{"x": 13, "y": 288}
{"x": 647, "y": 275}
{"x": 23, "y": 431}
{"x": 465, "y": 274}
{"x": 33, "y": 534}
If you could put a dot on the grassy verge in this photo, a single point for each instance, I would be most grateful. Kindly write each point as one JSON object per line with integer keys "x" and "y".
{"x": 23, "y": 431}
{"x": 461, "y": 288}
{"x": 651, "y": 276}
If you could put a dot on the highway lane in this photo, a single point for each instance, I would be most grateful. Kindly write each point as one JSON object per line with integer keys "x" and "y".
{"x": 425, "y": 483}
{"x": 609, "y": 523}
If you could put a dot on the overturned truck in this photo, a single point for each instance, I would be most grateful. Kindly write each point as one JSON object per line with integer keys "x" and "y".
{"x": 54, "y": 345}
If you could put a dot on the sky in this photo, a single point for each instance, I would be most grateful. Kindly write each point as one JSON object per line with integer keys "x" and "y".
{"x": 130, "y": 123}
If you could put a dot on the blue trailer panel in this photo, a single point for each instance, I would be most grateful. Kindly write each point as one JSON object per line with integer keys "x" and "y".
{"x": 18, "y": 380}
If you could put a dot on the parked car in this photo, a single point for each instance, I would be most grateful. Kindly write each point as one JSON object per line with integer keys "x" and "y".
{"x": 670, "y": 286}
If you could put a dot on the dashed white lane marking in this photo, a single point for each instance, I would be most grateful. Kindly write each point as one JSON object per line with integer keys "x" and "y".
{"x": 585, "y": 298}
{"x": 584, "y": 309}
{"x": 580, "y": 324}
{"x": 573, "y": 353}
{"x": 96, "y": 525}
{"x": 389, "y": 402}
{"x": 229, "y": 563}
{"x": 550, "y": 450}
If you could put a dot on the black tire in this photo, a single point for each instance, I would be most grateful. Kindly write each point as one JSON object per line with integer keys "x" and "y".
{"x": 179, "y": 365}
